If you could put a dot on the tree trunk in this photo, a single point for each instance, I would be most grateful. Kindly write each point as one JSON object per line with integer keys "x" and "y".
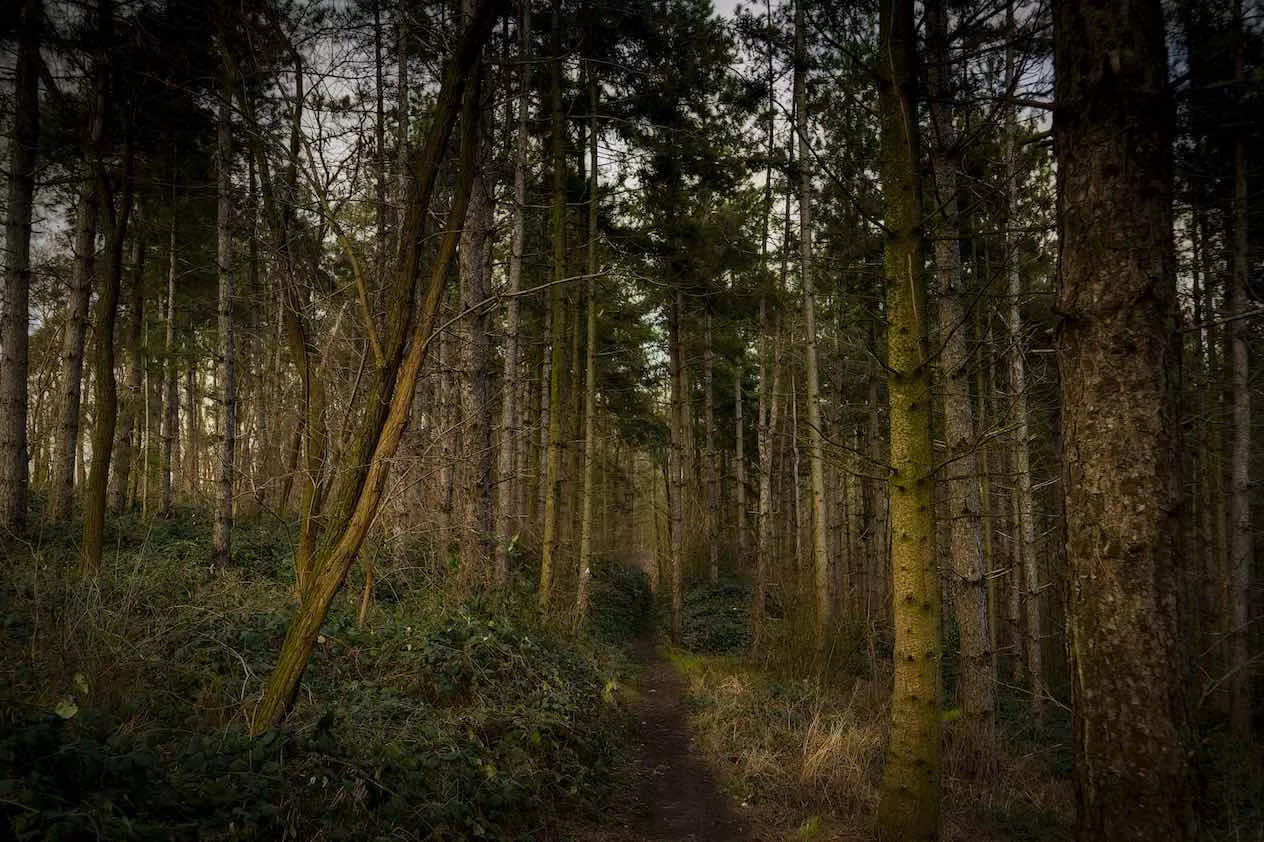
{"x": 976, "y": 687}
{"x": 171, "y": 401}
{"x": 358, "y": 493}
{"x": 908, "y": 805}
{"x": 739, "y": 459}
{"x": 475, "y": 270}
{"x": 713, "y": 503}
{"x": 66, "y": 445}
{"x": 133, "y": 400}
{"x": 14, "y": 339}
{"x": 766, "y": 407}
{"x": 1118, "y": 351}
{"x": 509, "y": 522}
{"x": 675, "y": 465}
{"x": 1241, "y": 537}
{"x": 221, "y": 540}
{"x": 553, "y": 457}
{"x": 1026, "y": 537}
{"x": 590, "y": 369}
{"x": 816, "y": 457}
{"x": 106, "y": 403}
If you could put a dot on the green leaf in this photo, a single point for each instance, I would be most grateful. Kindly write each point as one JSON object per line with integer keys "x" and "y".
{"x": 66, "y": 708}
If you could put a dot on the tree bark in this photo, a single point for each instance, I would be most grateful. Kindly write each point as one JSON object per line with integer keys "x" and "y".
{"x": 475, "y": 271}
{"x": 221, "y": 539}
{"x": 908, "y": 805}
{"x": 171, "y": 400}
{"x": 713, "y": 470}
{"x": 590, "y": 369}
{"x": 1241, "y": 555}
{"x": 1118, "y": 351}
{"x": 675, "y": 464}
{"x": 387, "y": 407}
{"x": 133, "y": 400}
{"x": 66, "y": 445}
{"x": 1025, "y": 546}
{"x": 816, "y": 457}
{"x": 976, "y": 691}
{"x": 14, "y": 339}
{"x": 510, "y": 513}
{"x": 553, "y": 457}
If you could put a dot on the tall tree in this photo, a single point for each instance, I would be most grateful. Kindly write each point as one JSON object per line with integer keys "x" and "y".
{"x": 976, "y": 691}
{"x": 908, "y": 805}
{"x": 1118, "y": 353}
{"x": 816, "y": 457}
{"x": 389, "y": 399}
{"x": 17, "y": 277}
{"x": 1025, "y": 576}
{"x": 66, "y": 445}
{"x": 590, "y": 366}
{"x": 557, "y": 233}
{"x": 131, "y": 408}
{"x": 510, "y": 511}
{"x": 475, "y": 277}
{"x": 226, "y": 354}
{"x": 1241, "y": 536}
{"x": 117, "y": 190}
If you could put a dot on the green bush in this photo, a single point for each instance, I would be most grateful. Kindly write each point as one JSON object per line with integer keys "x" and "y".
{"x": 438, "y": 721}
{"x": 716, "y": 618}
{"x": 619, "y": 601}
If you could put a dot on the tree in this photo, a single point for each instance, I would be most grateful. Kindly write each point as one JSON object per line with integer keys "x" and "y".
{"x": 389, "y": 398}
{"x": 816, "y": 457}
{"x": 226, "y": 355}
{"x": 908, "y": 806}
{"x": 14, "y": 357}
{"x": 117, "y": 192}
{"x": 976, "y": 690}
{"x": 557, "y": 234}
{"x": 1118, "y": 353}
{"x": 67, "y": 443}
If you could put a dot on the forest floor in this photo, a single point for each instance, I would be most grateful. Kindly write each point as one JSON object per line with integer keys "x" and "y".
{"x": 670, "y": 794}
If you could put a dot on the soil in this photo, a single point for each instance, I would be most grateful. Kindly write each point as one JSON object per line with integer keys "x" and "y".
{"x": 672, "y": 796}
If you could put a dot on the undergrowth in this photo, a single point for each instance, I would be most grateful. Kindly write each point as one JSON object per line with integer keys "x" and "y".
{"x": 124, "y": 700}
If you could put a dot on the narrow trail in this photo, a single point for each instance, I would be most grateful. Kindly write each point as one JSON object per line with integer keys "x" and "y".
{"x": 676, "y": 797}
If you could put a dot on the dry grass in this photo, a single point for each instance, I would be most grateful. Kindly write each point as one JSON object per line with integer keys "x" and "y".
{"x": 806, "y": 760}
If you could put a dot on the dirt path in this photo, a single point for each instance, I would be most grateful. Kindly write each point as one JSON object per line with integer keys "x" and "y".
{"x": 675, "y": 795}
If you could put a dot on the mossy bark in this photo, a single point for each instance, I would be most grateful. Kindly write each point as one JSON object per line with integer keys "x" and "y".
{"x": 388, "y": 403}
{"x": 908, "y": 806}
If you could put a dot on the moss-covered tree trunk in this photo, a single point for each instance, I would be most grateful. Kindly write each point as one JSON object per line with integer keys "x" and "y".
{"x": 1118, "y": 352}
{"x": 908, "y": 806}
{"x": 388, "y": 401}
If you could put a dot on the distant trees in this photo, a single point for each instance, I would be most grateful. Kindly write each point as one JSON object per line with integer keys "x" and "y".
{"x": 689, "y": 325}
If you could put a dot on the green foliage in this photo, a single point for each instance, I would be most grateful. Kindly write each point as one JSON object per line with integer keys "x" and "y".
{"x": 443, "y": 720}
{"x": 620, "y": 601}
{"x": 717, "y": 618}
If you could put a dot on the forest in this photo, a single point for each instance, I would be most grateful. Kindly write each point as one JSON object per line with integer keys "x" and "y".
{"x": 569, "y": 420}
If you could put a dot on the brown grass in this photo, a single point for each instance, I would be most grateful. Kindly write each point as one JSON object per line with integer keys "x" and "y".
{"x": 806, "y": 759}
